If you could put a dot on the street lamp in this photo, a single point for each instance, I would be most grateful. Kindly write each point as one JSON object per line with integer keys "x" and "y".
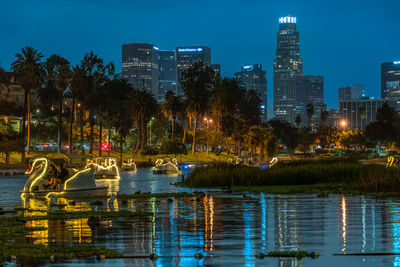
{"x": 208, "y": 121}
{"x": 343, "y": 123}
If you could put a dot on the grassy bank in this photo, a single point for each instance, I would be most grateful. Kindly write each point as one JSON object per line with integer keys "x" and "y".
{"x": 313, "y": 175}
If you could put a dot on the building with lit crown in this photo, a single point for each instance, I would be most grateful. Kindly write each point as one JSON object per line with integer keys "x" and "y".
{"x": 254, "y": 77}
{"x": 186, "y": 56}
{"x": 390, "y": 80}
{"x": 287, "y": 66}
{"x": 140, "y": 66}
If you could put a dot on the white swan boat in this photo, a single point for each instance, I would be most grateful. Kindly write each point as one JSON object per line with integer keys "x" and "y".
{"x": 169, "y": 167}
{"x": 128, "y": 166}
{"x": 38, "y": 185}
{"x": 105, "y": 167}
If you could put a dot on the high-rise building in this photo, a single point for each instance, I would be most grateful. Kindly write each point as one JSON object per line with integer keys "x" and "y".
{"x": 287, "y": 66}
{"x": 216, "y": 68}
{"x": 358, "y": 113}
{"x": 140, "y": 66}
{"x": 310, "y": 90}
{"x": 167, "y": 74}
{"x": 390, "y": 80}
{"x": 254, "y": 77}
{"x": 355, "y": 91}
{"x": 186, "y": 56}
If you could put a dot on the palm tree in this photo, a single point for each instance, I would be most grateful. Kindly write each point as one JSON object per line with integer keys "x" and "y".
{"x": 197, "y": 83}
{"x": 298, "y": 121}
{"x": 78, "y": 84}
{"x": 143, "y": 107}
{"x": 310, "y": 113}
{"x": 29, "y": 73}
{"x": 173, "y": 105}
{"x": 97, "y": 74}
{"x": 58, "y": 75}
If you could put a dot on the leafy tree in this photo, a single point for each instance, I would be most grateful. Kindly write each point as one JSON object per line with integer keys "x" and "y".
{"x": 306, "y": 138}
{"x": 29, "y": 72}
{"x": 328, "y": 135}
{"x": 285, "y": 133}
{"x": 10, "y": 141}
{"x": 250, "y": 110}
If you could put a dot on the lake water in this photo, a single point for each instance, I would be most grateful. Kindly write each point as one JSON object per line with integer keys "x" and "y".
{"x": 227, "y": 229}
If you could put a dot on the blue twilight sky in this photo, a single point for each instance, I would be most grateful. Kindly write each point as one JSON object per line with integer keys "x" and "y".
{"x": 343, "y": 40}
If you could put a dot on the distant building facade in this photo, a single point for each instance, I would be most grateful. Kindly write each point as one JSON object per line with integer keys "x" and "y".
{"x": 12, "y": 92}
{"x": 167, "y": 74}
{"x": 310, "y": 90}
{"x": 390, "y": 80}
{"x": 355, "y": 91}
{"x": 287, "y": 66}
{"x": 140, "y": 66}
{"x": 186, "y": 56}
{"x": 254, "y": 77}
{"x": 358, "y": 113}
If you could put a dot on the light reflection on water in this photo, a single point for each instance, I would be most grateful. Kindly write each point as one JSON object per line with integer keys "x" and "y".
{"x": 224, "y": 227}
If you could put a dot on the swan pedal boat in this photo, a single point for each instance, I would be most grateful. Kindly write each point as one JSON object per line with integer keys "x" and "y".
{"x": 105, "y": 167}
{"x": 81, "y": 183}
{"x": 129, "y": 166}
{"x": 170, "y": 167}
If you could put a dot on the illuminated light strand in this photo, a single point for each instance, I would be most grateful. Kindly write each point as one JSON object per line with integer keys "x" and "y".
{"x": 46, "y": 163}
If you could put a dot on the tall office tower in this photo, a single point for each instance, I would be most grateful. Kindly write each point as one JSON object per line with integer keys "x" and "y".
{"x": 254, "y": 77}
{"x": 216, "y": 68}
{"x": 186, "y": 56}
{"x": 287, "y": 66}
{"x": 310, "y": 90}
{"x": 167, "y": 74}
{"x": 355, "y": 91}
{"x": 140, "y": 66}
{"x": 390, "y": 79}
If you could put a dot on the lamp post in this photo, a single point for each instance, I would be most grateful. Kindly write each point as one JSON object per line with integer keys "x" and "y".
{"x": 208, "y": 121}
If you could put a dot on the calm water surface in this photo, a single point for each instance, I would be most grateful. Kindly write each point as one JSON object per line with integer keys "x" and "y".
{"x": 225, "y": 228}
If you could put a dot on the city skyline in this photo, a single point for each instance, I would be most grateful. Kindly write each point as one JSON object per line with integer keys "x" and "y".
{"x": 329, "y": 49}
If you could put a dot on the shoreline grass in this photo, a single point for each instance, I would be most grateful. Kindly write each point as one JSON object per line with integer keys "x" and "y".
{"x": 327, "y": 175}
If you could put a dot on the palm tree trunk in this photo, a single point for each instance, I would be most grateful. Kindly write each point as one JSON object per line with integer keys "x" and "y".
{"x": 184, "y": 133}
{"x": 71, "y": 121}
{"x": 194, "y": 135}
{"x": 81, "y": 115}
{"x": 28, "y": 140}
{"x": 120, "y": 149}
{"x": 100, "y": 137}
{"x": 144, "y": 139}
{"x": 24, "y": 124}
{"x": 59, "y": 124}
{"x": 139, "y": 134}
{"x": 109, "y": 140}
{"x": 91, "y": 122}
{"x": 173, "y": 126}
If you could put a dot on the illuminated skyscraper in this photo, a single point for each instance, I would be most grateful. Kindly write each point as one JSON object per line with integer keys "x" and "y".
{"x": 390, "y": 79}
{"x": 186, "y": 56}
{"x": 287, "y": 66}
{"x": 254, "y": 77}
{"x": 167, "y": 73}
{"x": 140, "y": 66}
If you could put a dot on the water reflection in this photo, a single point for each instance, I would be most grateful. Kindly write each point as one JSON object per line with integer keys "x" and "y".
{"x": 227, "y": 229}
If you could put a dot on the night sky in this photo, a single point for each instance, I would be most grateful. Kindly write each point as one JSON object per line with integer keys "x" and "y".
{"x": 343, "y": 40}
